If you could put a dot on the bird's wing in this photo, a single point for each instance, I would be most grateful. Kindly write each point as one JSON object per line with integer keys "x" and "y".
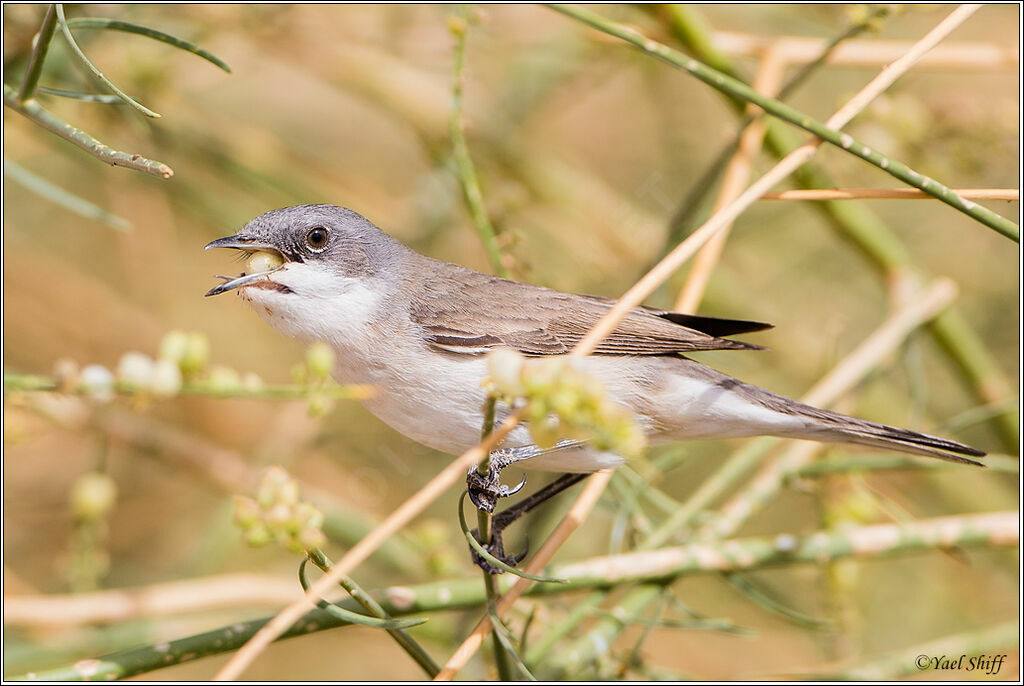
{"x": 463, "y": 311}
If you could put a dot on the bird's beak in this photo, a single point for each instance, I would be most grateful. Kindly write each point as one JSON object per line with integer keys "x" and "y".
{"x": 241, "y": 243}
{"x": 238, "y": 242}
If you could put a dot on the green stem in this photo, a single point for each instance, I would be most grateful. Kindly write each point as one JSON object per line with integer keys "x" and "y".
{"x": 402, "y": 638}
{"x": 31, "y": 109}
{"x": 729, "y": 85}
{"x": 502, "y": 660}
{"x": 39, "y": 50}
{"x": 29, "y": 382}
{"x": 466, "y": 172}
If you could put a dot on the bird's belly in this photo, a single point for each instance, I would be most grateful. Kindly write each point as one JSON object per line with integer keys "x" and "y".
{"x": 439, "y": 405}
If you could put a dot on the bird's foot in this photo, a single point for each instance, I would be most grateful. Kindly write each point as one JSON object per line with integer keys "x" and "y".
{"x": 496, "y": 548}
{"x": 485, "y": 490}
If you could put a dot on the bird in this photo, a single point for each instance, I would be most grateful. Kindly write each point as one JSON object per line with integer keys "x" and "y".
{"x": 419, "y": 331}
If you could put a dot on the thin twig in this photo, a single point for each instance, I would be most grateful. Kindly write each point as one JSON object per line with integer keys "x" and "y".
{"x": 39, "y": 50}
{"x": 149, "y": 602}
{"x": 463, "y": 161}
{"x": 65, "y": 199}
{"x": 971, "y": 55}
{"x": 889, "y": 193}
{"x": 31, "y": 109}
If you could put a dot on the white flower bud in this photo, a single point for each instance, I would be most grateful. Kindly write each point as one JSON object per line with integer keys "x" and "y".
{"x": 98, "y": 382}
{"x": 136, "y": 369}
{"x": 166, "y": 378}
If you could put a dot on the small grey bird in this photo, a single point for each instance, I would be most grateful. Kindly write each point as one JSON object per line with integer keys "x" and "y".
{"x": 418, "y": 329}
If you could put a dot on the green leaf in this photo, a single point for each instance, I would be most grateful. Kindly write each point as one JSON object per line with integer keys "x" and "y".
{"x": 127, "y": 27}
{"x": 88, "y": 97}
{"x": 65, "y": 199}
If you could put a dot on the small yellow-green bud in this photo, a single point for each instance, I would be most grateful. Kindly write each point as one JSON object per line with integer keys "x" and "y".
{"x": 174, "y": 346}
{"x": 319, "y": 405}
{"x": 197, "y": 353}
{"x": 270, "y": 485}
{"x": 93, "y": 495}
{"x": 320, "y": 360}
{"x": 258, "y": 535}
{"x": 505, "y": 367}
{"x": 224, "y": 379}
{"x": 278, "y": 518}
{"x": 246, "y": 511}
{"x": 456, "y": 25}
{"x": 308, "y": 515}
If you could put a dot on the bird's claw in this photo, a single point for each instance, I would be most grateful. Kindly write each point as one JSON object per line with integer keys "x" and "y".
{"x": 485, "y": 491}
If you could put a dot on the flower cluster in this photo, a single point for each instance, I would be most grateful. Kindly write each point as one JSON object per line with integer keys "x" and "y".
{"x": 183, "y": 356}
{"x": 562, "y": 402}
{"x": 278, "y": 514}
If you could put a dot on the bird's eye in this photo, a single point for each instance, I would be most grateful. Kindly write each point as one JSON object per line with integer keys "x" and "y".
{"x": 316, "y": 238}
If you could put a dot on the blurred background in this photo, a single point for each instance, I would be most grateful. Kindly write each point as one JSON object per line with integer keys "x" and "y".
{"x": 586, "y": 150}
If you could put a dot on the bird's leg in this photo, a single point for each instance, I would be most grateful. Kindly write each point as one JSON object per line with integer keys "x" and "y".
{"x": 485, "y": 489}
{"x": 504, "y": 518}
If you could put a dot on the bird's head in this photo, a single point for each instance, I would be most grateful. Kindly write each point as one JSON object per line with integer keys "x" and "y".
{"x": 311, "y": 269}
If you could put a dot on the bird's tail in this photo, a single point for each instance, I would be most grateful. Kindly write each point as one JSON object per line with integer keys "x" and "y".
{"x": 832, "y": 426}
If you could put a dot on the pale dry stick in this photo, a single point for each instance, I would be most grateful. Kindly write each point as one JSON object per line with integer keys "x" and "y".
{"x": 633, "y": 297}
{"x": 577, "y": 515}
{"x": 363, "y": 549}
{"x": 854, "y": 366}
{"x": 1001, "y": 528}
{"x": 889, "y": 193}
{"x": 737, "y": 174}
{"x": 971, "y": 55}
{"x": 157, "y": 600}
{"x": 685, "y": 250}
